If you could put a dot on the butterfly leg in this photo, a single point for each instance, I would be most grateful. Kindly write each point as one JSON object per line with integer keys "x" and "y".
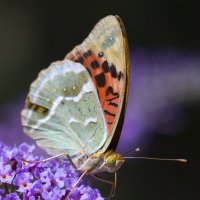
{"x": 77, "y": 182}
{"x": 113, "y": 189}
{"x": 47, "y": 159}
{"x": 72, "y": 163}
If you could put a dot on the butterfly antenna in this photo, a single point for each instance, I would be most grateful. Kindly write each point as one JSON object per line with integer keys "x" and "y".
{"x": 130, "y": 151}
{"x": 160, "y": 159}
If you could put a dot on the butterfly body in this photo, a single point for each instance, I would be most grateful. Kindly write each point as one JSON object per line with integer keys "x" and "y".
{"x": 110, "y": 161}
{"x": 77, "y": 106}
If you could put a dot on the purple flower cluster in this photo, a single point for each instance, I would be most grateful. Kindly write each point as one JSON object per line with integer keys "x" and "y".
{"x": 47, "y": 180}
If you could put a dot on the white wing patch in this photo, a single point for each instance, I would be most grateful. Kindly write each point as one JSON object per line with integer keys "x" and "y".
{"x": 90, "y": 120}
{"x": 72, "y": 120}
{"x": 87, "y": 121}
{"x": 63, "y": 112}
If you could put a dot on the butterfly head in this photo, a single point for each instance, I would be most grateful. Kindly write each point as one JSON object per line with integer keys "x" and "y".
{"x": 113, "y": 161}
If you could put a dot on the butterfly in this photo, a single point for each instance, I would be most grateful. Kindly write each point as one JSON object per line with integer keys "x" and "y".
{"x": 76, "y": 106}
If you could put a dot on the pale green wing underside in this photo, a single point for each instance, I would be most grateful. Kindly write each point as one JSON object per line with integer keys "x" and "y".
{"x": 63, "y": 112}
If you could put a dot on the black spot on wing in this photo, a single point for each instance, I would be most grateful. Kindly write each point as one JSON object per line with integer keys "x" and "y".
{"x": 113, "y": 104}
{"x": 105, "y": 66}
{"x": 112, "y": 99}
{"x": 87, "y": 54}
{"x": 80, "y": 60}
{"x": 100, "y": 54}
{"x": 100, "y": 79}
{"x": 110, "y": 91}
{"x": 120, "y": 75}
{"x": 94, "y": 64}
{"x": 113, "y": 71}
{"x": 109, "y": 113}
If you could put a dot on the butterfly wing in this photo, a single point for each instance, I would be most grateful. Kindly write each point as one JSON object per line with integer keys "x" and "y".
{"x": 104, "y": 53}
{"x": 62, "y": 112}
{"x": 55, "y": 115}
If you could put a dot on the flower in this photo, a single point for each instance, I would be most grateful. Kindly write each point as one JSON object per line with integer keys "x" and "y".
{"x": 46, "y": 180}
{"x": 6, "y": 174}
{"x": 24, "y": 181}
{"x": 12, "y": 196}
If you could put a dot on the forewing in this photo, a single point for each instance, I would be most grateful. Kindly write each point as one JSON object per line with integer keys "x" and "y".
{"x": 63, "y": 112}
{"x": 104, "y": 53}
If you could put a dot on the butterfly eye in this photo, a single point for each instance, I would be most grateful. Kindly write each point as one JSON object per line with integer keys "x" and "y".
{"x": 111, "y": 160}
